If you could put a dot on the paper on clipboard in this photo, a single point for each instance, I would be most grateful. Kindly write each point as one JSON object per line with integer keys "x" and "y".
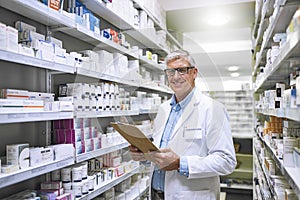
{"x": 134, "y": 136}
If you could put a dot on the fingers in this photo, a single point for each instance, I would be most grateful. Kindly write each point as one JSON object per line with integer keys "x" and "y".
{"x": 133, "y": 149}
{"x": 166, "y": 159}
{"x": 136, "y": 154}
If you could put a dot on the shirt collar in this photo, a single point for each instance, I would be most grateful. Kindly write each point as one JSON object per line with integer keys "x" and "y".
{"x": 182, "y": 104}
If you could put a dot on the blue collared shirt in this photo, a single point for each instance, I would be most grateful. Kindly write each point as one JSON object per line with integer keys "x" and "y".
{"x": 175, "y": 113}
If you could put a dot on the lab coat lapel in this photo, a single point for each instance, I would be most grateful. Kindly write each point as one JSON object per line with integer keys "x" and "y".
{"x": 186, "y": 114}
{"x": 161, "y": 123}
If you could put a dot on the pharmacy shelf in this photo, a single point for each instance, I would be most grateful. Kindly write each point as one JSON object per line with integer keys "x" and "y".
{"x": 242, "y": 135}
{"x": 100, "y": 43}
{"x": 266, "y": 195}
{"x": 230, "y": 96}
{"x": 146, "y": 39}
{"x": 237, "y": 186}
{"x": 101, "y": 75}
{"x": 28, "y": 173}
{"x": 33, "y": 116}
{"x": 280, "y": 70}
{"x": 282, "y": 17}
{"x": 289, "y": 113}
{"x": 257, "y": 20}
{"x": 61, "y": 22}
{"x": 148, "y": 111}
{"x": 243, "y": 119}
{"x": 293, "y": 114}
{"x": 64, "y": 22}
{"x": 99, "y": 152}
{"x": 229, "y": 108}
{"x": 156, "y": 87}
{"x": 150, "y": 64}
{"x": 39, "y": 12}
{"x": 99, "y": 114}
{"x": 108, "y": 184}
{"x": 149, "y": 85}
{"x": 291, "y": 174}
{"x": 99, "y": 8}
{"x": 158, "y": 25}
{"x": 35, "y": 62}
{"x": 141, "y": 193}
{"x": 261, "y": 30}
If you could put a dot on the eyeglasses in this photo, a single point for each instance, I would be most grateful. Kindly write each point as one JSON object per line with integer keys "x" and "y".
{"x": 181, "y": 71}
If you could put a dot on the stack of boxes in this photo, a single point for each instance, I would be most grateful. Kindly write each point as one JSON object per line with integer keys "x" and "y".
{"x": 8, "y": 38}
{"x": 20, "y": 101}
{"x": 78, "y": 132}
{"x": 21, "y": 156}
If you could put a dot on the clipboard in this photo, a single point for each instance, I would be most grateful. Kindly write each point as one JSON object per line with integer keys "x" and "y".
{"x": 134, "y": 136}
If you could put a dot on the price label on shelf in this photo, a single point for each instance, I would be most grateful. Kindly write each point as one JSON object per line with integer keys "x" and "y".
{"x": 38, "y": 170}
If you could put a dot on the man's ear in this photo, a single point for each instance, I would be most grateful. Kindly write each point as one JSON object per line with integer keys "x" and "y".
{"x": 195, "y": 72}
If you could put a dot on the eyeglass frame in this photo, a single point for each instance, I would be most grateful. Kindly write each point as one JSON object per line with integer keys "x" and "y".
{"x": 177, "y": 69}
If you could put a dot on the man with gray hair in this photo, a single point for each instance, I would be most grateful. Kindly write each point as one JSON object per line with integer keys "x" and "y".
{"x": 194, "y": 138}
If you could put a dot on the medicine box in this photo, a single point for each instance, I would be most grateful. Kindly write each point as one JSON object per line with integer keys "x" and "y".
{"x": 18, "y": 154}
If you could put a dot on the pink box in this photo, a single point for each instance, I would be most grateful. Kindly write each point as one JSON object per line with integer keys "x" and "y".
{"x": 65, "y": 136}
{"x": 66, "y": 196}
{"x": 58, "y": 124}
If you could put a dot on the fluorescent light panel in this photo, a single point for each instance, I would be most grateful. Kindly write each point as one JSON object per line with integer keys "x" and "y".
{"x": 227, "y": 46}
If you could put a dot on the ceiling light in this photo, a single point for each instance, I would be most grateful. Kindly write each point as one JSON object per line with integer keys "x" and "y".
{"x": 233, "y": 68}
{"x": 235, "y": 74}
{"x": 217, "y": 20}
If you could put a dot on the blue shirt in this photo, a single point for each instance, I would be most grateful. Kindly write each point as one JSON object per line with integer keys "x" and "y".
{"x": 175, "y": 113}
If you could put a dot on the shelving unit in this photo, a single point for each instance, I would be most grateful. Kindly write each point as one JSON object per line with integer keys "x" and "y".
{"x": 99, "y": 152}
{"x": 38, "y": 124}
{"x": 239, "y": 105}
{"x": 108, "y": 184}
{"x": 21, "y": 175}
{"x": 278, "y": 72}
{"x": 33, "y": 116}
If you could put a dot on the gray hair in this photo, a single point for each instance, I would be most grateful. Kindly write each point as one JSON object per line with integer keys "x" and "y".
{"x": 180, "y": 54}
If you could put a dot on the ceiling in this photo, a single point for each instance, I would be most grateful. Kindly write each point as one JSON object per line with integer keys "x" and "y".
{"x": 214, "y": 48}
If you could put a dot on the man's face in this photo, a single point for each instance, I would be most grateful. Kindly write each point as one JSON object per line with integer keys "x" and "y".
{"x": 180, "y": 83}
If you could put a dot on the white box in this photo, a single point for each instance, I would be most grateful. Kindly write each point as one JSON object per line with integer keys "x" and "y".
{"x": 21, "y": 26}
{"x": 63, "y": 151}
{"x": 55, "y": 41}
{"x": 45, "y": 51}
{"x": 298, "y": 90}
{"x": 66, "y": 106}
{"x": 12, "y": 39}
{"x": 143, "y": 19}
{"x": 288, "y": 147}
{"x": 18, "y": 154}
{"x": 3, "y": 38}
{"x": 58, "y": 51}
{"x": 14, "y": 94}
{"x": 41, "y": 155}
{"x": 27, "y": 51}
{"x": 120, "y": 65}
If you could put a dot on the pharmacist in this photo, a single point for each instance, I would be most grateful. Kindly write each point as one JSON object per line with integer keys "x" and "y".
{"x": 194, "y": 137}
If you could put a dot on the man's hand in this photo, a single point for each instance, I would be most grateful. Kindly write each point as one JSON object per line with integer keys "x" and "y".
{"x": 165, "y": 159}
{"x": 136, "y": 154}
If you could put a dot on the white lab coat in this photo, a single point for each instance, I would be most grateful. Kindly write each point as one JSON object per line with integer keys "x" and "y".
{"x": 203, "y": 135}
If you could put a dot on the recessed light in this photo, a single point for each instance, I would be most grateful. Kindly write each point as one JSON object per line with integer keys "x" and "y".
{"x": 235, "y": 74}
{"x": 217, "y": 20}
{"x": 233, "y": 68}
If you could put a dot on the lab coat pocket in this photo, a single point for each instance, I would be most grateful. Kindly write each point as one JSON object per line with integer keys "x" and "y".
{"x": 196, "y": 195}
{"x": 192, "y": 133}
